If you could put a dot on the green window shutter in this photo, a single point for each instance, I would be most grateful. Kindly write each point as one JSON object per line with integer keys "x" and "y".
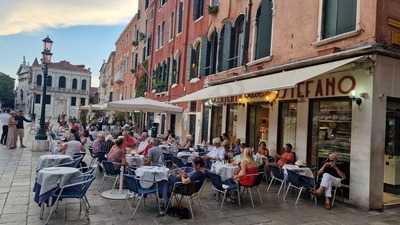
{"x": 264, "y": 29}
{"x": 226, "y": 51}
{"x": 189, "y": 63}
{"x": 330, "y": 18}
{"x": 347, "y": 16}
{"x": 168, "y": 71}
{"x": 174, "y": 71}
{"x": 203, "y": 56}
{"x": 241, "y": 60}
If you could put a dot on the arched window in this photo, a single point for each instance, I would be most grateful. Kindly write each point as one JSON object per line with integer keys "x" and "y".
{"x": 83, "y": 85}
{"x": 61, "y": 82}
{"x": 211, "y": 61}
{"x": 49, "y": 81}
{"x": 39, "y": 80}
{"x": 224, "y": 54}
{"x": 195, "y": 58}
{"x": 74, "y": 84}
{"x": 238, "y": 42}
{"x": 263, "y": 30}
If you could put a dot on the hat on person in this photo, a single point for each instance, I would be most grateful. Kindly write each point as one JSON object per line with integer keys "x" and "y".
{"x": 300, "y": 163}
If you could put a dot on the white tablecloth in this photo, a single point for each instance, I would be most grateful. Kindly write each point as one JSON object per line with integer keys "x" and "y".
{"x": 226, "y": 171}
{"x": 50, "y": 177}
{"x": 135, "y": 161}
{"x": 304, "y": 171}
{"x": 151, "y": 174}
{"x": 52, "y": 160}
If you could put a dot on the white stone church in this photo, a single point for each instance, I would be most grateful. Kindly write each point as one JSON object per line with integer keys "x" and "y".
{"x": 68, "y": 88}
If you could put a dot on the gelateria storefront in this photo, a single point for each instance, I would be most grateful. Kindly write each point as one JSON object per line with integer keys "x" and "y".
{"x": 349, "y": 106}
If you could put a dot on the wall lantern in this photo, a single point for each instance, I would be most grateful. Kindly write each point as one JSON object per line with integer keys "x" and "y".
{"x": 355, "y": 98}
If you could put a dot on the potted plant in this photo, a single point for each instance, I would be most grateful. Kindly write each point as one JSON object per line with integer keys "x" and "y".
{"x": 213, "y": 9}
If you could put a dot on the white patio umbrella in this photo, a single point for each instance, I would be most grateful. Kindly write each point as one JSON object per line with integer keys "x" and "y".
{"x": 94, "y": 107}
{"x": 144, "y": 105}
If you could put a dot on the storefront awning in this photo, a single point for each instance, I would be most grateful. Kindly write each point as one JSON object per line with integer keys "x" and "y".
{"x": 143, "y": 105}
{"x": 95, "y": 107}
{"x": 276, "y": 81}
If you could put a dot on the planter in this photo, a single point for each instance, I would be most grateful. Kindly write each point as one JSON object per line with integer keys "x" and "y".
{"x": 213, "y": 9}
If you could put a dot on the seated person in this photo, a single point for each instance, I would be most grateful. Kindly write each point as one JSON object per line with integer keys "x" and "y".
{"x": 155, "y": 153}
{"x": 75, "y": 135}
{"x": 148, "y": 147}
{"x": 99, "y": 142}
{"x": 236, "y": 147}
{"x": 217, "y": 152}
{"x": 196, "y": 176}
{"x": 287, "y": 156}
{"x": 128, "y": 141}
{"x": 247, "y": 167}
{"x": 262, "y": 155}
{"x": 188, "y": 142}
{"x": 117, "y": 153}
{"x": 331, "y": 177}
{"x": 71, "y": 147}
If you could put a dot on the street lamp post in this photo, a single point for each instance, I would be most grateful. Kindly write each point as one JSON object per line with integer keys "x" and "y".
{"x": 46, "y": 60}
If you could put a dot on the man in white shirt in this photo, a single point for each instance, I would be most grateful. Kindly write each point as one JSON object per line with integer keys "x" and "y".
{"x": 217, "y": 152}
{"x": 4, "y": 116}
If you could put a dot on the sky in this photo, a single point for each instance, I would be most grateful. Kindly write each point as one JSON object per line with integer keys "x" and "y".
{"x": 83, "y": 31}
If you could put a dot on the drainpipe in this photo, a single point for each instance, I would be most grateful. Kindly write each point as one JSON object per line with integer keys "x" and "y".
{"x": 150, "y": 65}
{"x": 187, "y": 21}
{"x": 173, "y": 46}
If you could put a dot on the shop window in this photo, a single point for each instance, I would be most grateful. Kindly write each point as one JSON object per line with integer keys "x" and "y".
{"x": 48, "y": 99}
{"x": 83, "y": 85}
{"x": 263, "y": 30}
{"x": 257, "y": 124}
{"x": 180, "y": 16}
{"x": 162, "y": 128}
{"x": 61, "y": 82}
{"x": 330, "y": 131}
{"x": 38, "y": 99}
{"x": 231, "y": 121}
{"x": 73, "y": 101}
{"x": 392, "y": 151}
{"x": 49, "y": 81}
{"x": 172, "y": 123}
{"x": 205, "y": 124}
{"x": 211, "y": 60}
{"x": 237, "y": 40}
{"x": 150, "y": 119}
{"x": 224, "y": 53}
{"x": 74, "y": 84}
{"x": 198, "y": 8}
{"x": 193, "y": 106}
{"x": 83, "y": 101}
{"x": 338, "y": 17}
{"x": 216, "y": 122}
{"x": 287, "y": 124}
{"x": 192, "y": 126}
{"x": 39, "y": 80}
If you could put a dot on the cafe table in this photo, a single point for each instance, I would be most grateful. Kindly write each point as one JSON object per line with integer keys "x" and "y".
{"x": 151, "y": 174}
{"x": 120, "y": 193}
{"x": 225, "y": 170}
{"x": 52, "y": 160}
{"x": 48, "y": 180}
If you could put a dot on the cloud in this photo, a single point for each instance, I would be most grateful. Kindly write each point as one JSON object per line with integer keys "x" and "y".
{"x": 19, "y": 16}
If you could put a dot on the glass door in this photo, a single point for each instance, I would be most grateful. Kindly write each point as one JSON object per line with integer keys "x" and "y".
{"x": 392, "y": 153}
{"x": 330, "y": 131}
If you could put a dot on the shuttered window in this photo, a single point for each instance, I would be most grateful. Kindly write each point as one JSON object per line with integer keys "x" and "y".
{"x": 198, "y": 6}
{"x": 238, "y": 42}
{"x": 339, "y": 16}
{"x": 224, "y": 54}
{"x": 264, "y": 30}
{"x": 195, "y": 60}
{"x": 211, "y": 61}
{"x": 175, "y": 69}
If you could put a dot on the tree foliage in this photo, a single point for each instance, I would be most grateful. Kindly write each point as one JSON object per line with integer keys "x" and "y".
{"x": 7, "y": 90}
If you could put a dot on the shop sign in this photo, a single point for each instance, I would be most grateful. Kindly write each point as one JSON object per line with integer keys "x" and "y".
{"x": 323, "y": 87}
{"x": 252, "y": 97}
{"x": 394, "y": 23}
{"x": 396, "y": 38}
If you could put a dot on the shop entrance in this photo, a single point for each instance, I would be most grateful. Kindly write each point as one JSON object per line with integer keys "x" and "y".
{"x": 330, "y": 131}
{"x": 257, "y": 124}
{"x": 391, "y": 193}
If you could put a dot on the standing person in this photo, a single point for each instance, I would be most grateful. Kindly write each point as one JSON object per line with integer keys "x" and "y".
{"x": 12, "y": 131}
{"x": 20, "y": 118}
{"x": 4, "y": 116}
